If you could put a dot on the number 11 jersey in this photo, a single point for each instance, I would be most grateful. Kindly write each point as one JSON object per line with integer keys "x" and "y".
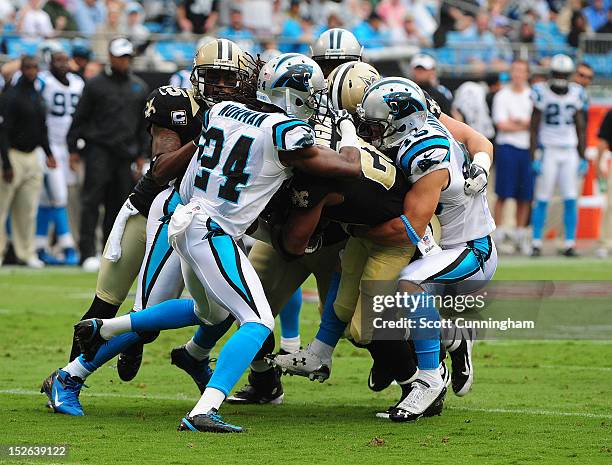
{"x": 236, "y": 169}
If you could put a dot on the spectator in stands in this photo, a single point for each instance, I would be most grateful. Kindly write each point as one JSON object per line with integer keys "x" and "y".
{"x": 578, "y": 26}
{"x": 89, "y": 14}
{"x": 482, "y": 43}
{"x": 409, "y": 34}
{"x": 109, "y": 132}
{"x": 135, "y": 31}
{"x": 501, "y": 30}
{"x": 526, "y": 33}
{"x": 423, "y": 68}
{"x": 236, "y": 31}
{"x": 61, "y": 18}
{"x": 392, "y": 12}
{"x": 596, "y": 13}
{"x": 333, "y": 20}
{"x": 23, "y": 129}
{"x": 604, "y": 176}
{"x": 372, "y": 32}
{"x": 33, "y": 21}
{"x": 607, "y": 27}
{"x": 197, "y": 16}
{"x": 294, "y": 31}
{"x": 112, "y": 26}
{"x": 7, "y": 11}
{"x": 584, "y": 74}
{"x": 512, "y": 109}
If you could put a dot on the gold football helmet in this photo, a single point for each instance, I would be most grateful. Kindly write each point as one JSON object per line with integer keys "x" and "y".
{"x": 348, "y": 83}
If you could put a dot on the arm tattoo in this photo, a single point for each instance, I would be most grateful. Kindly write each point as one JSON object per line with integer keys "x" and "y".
{"x": 164, "y": 140}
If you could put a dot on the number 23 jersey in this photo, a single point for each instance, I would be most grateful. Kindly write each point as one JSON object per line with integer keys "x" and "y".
{"x": 236, "y": 169}
{"x": 462, "y": 217}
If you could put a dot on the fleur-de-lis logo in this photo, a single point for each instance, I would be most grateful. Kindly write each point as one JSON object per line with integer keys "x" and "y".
{"x": 149, "y": 108}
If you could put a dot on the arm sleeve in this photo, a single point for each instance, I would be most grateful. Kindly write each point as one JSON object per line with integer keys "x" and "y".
{"x": 424, "y": 156}
{"x": 80, "y": 118}
{"x": 292, "y": 134}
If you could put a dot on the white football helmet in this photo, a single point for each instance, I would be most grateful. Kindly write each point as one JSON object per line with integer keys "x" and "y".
{"x": 391, "y": 109}
{"x": 292, "y": 82}
{"x": 334, "y": 47}
{"x": 46, "y": 50}
{"x": 561, "y": 67}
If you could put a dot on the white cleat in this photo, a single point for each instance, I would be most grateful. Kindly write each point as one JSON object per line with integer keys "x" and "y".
{"x": 301, "y": 363}
{"x": 422, "y": 400}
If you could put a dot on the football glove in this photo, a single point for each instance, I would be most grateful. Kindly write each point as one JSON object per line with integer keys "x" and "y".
{"x": 477, "y": 180}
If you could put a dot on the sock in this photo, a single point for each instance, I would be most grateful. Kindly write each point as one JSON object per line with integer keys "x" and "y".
{"x": 62, "y": 227}
{"x": 197, "y": 352}
{"x": 236, "y": 355}
{"x": 432, "y": 377}
{"x": 77, "y": 368}
{"x": 115, "y": 326}
{"x": 570, "y": 221}
{"x": 538, "y": 220}
{"x": 43, "y": 217}
{"x": 211, "y": 398}
{"x": 426, "y": 340}
{"x": 258, "y": 364}
{"x": 290, "y": 344}
{"x": 290, "y": 317}
{"x": 171, "y": 314}
{"x": 324, "y": 351}
{"x": 98, "y": 309}
{"x": 331, "y": 327}
{"x": 206, "y": 336}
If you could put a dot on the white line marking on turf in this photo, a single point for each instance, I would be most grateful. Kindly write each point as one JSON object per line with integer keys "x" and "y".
{"x": 180, "y": 397}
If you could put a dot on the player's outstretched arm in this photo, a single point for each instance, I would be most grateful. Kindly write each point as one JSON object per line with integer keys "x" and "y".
{"x": 323, "y": 161}
{"x": 170, "y": 158}
{"x": 419, "y": 206}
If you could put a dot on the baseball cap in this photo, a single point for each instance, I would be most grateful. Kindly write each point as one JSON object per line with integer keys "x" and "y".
{"x": 120, "y": 47}
{"x": 423, "y": 61}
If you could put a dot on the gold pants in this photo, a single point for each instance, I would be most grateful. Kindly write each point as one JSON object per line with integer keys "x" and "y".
{"x": 364, "y": 260}
{"x": 20, "y": 197}
{"x": 116, "y": 278}
{"x": 280, "y": 279}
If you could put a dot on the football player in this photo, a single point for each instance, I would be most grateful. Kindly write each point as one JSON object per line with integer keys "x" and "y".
{"x": 175, "y": 119}
{"x": 243, "y": 158}
{"x": 557, "y": 144}
{"x": 61, "y": 91}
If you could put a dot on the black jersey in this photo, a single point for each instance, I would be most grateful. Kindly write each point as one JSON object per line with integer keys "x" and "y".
{"x": 171, "y": 108}
{"x": 373, "y": 198}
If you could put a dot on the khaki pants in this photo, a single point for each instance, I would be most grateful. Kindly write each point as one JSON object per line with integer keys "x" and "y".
{"x": 116, "y": 278}
{"x": 20, "y": 199}
{"x": 280, "y": 279}
{"x": 364, "y": 260}
{"x": 605, "y": 239}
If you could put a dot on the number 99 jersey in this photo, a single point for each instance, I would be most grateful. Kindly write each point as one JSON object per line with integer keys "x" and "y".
{"x": 236, "y": 169}
{"x": 557, "y": 127}
{"x": 61, "y": 101}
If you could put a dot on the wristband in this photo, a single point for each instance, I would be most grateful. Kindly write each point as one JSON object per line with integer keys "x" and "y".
{"x": 412, "y": 235}
{"x": 483, "y": 159}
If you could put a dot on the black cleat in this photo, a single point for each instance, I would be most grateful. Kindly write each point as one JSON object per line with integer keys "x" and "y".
{"x": 462, "y": 375}
{"x": 570, "y": 252}
{"x": 380, "y": 377}
{"x": 87, "y": 337}
{"x": 263, "y": 388}
{"x": 129, "y": 362}
{"x": 199, "y": 370}
{"x": 536, "y": 252}
{"x": 421, "y": 400}
{"x": 210, "y": 422}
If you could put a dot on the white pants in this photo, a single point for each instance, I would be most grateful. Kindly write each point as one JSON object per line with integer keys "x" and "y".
{"x": 160, "y": 277}
{"x": 467, "y": 266}
{"x": 56, "y": 180}
{"x": 217, "y": 273}
{"x": 559, "y": 167}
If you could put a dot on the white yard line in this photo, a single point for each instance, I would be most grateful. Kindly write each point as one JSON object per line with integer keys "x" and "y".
{"x": 525, "y": 411}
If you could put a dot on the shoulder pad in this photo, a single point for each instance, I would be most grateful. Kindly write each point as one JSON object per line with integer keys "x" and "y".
{"x": 425, "y": 152}
{"x": 168, "y": 107}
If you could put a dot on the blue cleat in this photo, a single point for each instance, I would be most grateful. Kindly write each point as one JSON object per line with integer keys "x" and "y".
{"x": 48, "y": 259}
{"x": 71, "y": 257}
{"x": 87, "y": 337}
{"x": 210, "y": 422}
{"x": 199, "y": 371}
{"x": 63, "y": 392}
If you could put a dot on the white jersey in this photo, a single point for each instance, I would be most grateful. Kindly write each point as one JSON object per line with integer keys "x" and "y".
{"x": 181, "y": 78}
{"x": 557, "y": 127}
{"x": 236, "y": 169}
{"x": 462, "y": 217}
{"x": 61, "y": 101}
{"x": 471, "y": 101}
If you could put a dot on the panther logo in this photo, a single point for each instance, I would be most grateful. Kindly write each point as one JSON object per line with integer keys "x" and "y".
{"x": 402, "y": 104}
{"x": 296, "y": 77}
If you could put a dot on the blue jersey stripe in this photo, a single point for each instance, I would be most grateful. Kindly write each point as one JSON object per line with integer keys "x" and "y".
{"x": 280, "y": 130}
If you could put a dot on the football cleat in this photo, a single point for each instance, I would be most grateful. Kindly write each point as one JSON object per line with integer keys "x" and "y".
{"x": 536, "y": 252}
{"x": 445, "y": 373}
{"x": 380, "y": 377}
{"x": 433, "y": 410}
{"x": 63, "y": 392}
{"x": 462, "y": 375}
{"x": 210, "y": 422}
{"x": 421, "y": 399}
{"x": 71, "y": 257}
{"x": 263, "y": 388}
{"x": 47, "y": 258}
{"x": 199, "y": 371}
{"x": 569, "y": 252}
{"x": 87, "y": 337}
{"x": 129, "y": 362}
{"x": 301, "y": 363}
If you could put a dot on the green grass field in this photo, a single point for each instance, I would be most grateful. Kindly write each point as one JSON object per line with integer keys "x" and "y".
{"x": 532, "y": 402}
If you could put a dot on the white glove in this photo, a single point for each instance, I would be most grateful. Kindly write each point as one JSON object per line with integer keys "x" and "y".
{"x": 113, "y": 243}
{"x": 478, "y": 174}
{"x": 347, "y": 130}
